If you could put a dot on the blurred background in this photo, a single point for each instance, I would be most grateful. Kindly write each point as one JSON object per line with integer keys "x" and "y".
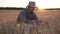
{"x": 48, "y": 11}
{"x": 23, "y": 3}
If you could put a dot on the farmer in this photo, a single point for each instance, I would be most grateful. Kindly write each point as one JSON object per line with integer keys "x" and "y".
{"x": 28, "y": 17}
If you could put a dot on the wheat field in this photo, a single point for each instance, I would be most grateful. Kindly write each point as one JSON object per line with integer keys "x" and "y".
{"x": 50, "y": 22}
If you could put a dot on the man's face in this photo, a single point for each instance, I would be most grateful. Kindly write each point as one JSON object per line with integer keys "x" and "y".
{"x": 31, "y": 8}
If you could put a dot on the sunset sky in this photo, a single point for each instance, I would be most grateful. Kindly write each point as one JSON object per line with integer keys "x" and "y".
{"x": 23, "y": 3}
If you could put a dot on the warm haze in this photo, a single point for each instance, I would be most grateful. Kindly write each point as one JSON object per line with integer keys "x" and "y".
{"x": 23, "y": 3}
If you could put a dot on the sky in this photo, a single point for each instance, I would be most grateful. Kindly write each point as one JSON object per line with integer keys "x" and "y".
{"x": 24, "y": 3}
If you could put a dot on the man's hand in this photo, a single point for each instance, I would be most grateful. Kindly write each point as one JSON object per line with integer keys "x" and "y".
{"x": 32, "y": 21}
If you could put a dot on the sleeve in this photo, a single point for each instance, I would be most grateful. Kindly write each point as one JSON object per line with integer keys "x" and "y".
{"x": 23, "y": 17}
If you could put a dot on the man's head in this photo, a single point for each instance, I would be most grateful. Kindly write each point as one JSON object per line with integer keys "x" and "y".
{"x": 31, "y": 6}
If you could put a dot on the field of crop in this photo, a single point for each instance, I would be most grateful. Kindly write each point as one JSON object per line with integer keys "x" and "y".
{"x": 50, "y": 22}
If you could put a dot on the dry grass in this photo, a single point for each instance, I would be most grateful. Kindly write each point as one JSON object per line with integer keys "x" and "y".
{"x": 51, "y": 18}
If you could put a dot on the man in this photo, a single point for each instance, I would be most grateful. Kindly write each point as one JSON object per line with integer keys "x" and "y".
{"x": 28, "y": 17}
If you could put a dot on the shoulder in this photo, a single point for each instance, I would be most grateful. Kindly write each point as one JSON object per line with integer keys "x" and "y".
{"x": 23, "y": 11}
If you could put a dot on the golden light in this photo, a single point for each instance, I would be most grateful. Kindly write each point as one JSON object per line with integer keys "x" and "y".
{"x": 41, "y": 4}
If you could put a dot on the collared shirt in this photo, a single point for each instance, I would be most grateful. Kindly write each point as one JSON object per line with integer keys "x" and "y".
{"x": 26, "y": 16}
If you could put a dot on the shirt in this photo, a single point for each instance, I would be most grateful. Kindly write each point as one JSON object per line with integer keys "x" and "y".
{"x": 26, "y": 16}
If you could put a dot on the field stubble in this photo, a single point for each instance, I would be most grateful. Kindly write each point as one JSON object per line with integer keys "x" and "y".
{"x": 50, "y": 24}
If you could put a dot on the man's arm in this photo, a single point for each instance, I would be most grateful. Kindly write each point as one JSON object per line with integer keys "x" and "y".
{"x": 23, "y": 17}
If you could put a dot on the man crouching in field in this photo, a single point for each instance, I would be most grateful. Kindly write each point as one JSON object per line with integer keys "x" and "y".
{"x": 28, "y": 18}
